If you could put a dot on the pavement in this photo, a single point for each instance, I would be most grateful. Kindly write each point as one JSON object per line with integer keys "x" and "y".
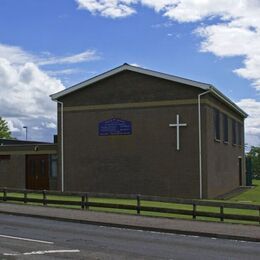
{"x": 156, "y": 224}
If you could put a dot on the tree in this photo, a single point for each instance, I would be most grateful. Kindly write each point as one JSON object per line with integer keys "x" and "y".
{"x": 254, "y": 154}
{"x": 4, "y": 129}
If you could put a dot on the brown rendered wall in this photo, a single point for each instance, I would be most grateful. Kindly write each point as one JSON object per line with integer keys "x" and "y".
{"x": 12, "y": 173}
{"x": 145, "y": 162}
{"x": 129, "y": 87}
{"x": 220, "y": 161}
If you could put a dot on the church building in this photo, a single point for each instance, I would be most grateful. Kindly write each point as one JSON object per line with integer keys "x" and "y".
{"x": 135, "y": 131}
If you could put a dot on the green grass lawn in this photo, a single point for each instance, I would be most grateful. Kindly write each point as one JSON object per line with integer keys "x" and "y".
{"x": 249, "y": 196}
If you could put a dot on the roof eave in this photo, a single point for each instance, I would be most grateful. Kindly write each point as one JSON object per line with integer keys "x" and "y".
{"x": 216, "y": 92}
{"x": 130, "y": 68}
{"x": 203, "y": 86}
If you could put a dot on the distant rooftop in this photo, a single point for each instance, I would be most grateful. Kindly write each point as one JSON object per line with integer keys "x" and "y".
{"x": 19, "y": 142}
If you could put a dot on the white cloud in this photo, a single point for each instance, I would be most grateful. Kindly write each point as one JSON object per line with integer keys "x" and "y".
{"x": 14, "y": 54}
{"x": 87, "y": 55}
{"x": 25, "y": 88}
{"x": 12, "y": 126}
{"x": 17, "y": 56}
{"x": 24, "y": 91}
{"x": 232, "y": 28}
{"x": 63, "y": 72}
{"x": 252, "y": 123}
{"x": 108, "y": 8}
{"x": 236, "y": 32}
{"x": 50, "y": 125}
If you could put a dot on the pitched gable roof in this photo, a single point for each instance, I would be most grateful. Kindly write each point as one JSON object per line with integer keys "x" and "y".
{"x": 127, "y": 67}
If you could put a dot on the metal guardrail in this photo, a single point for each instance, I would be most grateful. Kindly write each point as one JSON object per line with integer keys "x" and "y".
{"x": 84, "y": 203}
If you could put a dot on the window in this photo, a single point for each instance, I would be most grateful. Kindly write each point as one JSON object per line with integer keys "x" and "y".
{"x": 240, "y": 134}
{"x": 216, "y": 124}
{"x": 5, "y": 157}
{"x": 225, "y": 128}
{"x": 234, "y": 132}
{"x": 53, "y": 166}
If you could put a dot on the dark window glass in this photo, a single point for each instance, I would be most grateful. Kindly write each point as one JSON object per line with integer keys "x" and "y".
{"x": 234, "y": 132}
{"x": 225, "y": 128}
{"x": 217, "y": 124}
{"x": 5, "y": 157}
{"x": 240, "y": 132}
{"x": 53, "y": 169}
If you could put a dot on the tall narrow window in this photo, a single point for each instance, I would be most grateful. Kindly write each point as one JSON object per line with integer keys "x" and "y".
{"x": 216, "y": 124}
{"x": 53, "y": 166}
{"x": 240, "y": 132}
{"x": 234, "y": 132}
{"x": 225, "y": 128}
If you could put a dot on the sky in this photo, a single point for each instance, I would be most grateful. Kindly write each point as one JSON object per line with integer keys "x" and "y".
{"x": 49, "y": 45}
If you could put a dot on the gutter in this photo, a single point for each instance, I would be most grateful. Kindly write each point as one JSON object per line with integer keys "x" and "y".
{"x": 200, "y": 146}
{"x": 62, "y": 143}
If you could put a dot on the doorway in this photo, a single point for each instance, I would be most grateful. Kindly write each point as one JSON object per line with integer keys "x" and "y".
{"x": 37, "y": 172}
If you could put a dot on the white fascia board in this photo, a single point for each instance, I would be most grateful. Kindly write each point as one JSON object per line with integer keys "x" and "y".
{"x": 203, "y": 86}
{"x": 224, "y": 98}
{"x": 169, "y": 77}
{"x": 86, "y": 83}
{"x": 112, "y": 72}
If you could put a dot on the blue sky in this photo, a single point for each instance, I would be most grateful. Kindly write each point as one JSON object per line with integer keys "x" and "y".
{"x": 48, "y": 45}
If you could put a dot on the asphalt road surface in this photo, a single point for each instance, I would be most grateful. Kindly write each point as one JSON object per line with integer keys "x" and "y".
{"x": 32, "y": 238}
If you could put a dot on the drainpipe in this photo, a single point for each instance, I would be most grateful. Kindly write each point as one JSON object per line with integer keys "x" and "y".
{"x": 62, "y": 144}
{"x": 200, "y": 156}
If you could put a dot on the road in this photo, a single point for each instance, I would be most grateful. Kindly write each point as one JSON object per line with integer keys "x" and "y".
{"x": 32, "y": 238}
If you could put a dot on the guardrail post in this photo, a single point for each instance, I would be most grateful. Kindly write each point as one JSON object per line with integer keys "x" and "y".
{"x": 86, "y": 201}
{"x": 82, "y": 202}
{"x": 44, "y": 197}
{"x": 5, "y": 194}
{"x": 138, "y": 200}
{"x": 194, "y": 210}
{"x": 222, "y": 213}
{"x": 25, "y": 196}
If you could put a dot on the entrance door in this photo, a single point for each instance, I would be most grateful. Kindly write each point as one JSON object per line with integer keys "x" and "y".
{"x": 240, "y": 170}
{"x": 37, "y": 172}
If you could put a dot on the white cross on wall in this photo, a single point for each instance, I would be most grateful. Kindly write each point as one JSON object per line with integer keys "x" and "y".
{"x": 178, "y": 125}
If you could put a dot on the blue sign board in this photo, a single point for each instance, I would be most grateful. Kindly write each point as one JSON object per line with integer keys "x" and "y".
{"x": 115, "y": 126}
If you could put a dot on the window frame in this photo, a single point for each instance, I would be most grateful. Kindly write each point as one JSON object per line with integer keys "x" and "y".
{"x": 239, "y": 134}
{"x": 225, "y": 128}
{"x": 217, "y": 125}
{"x": 234, "y": 132}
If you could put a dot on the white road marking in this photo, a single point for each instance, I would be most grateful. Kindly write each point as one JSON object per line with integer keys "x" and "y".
{"x": 27, "y": 239}
{"x": 44, "y": 252}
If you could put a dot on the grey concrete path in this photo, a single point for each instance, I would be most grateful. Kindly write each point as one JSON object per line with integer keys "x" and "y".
{"x": 177, "y": 226}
